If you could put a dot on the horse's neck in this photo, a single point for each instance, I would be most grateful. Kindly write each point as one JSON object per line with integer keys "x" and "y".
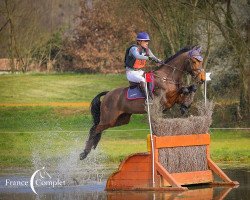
{"x": 174, "y": 69}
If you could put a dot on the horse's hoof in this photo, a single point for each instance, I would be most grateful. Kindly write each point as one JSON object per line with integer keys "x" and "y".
{"x": 83, "y": 155}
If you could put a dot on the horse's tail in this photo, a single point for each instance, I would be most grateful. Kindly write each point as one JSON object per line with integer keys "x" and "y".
{"x": 95, "y": 107}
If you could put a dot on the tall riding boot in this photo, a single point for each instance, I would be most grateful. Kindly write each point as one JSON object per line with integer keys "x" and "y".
{"x": 143, "y": 88}
{"x": 150, "y": 93}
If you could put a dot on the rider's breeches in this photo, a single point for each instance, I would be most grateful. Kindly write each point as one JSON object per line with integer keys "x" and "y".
{"x": 135, "y": 76}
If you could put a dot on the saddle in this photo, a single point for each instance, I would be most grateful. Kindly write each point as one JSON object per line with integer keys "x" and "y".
{"x": 134, "y": 90}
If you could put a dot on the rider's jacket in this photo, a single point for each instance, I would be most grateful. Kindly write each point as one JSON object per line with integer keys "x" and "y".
{"x": 136, "y": 57}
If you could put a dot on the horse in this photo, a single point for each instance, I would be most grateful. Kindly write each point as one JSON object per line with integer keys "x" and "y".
{"x": 115, "y": 110}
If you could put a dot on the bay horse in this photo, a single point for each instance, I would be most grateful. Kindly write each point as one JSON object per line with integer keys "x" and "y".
{"x": 115, "y": 109}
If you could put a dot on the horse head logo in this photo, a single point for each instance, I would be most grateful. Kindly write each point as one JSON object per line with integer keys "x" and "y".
{"x": 42, "y": 175}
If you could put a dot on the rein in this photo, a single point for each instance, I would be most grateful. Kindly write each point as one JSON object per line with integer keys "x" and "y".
{"x": 170, "y": 80}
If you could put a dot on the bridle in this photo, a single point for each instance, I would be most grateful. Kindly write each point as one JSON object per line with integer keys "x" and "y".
{"x": 194, "y": 72}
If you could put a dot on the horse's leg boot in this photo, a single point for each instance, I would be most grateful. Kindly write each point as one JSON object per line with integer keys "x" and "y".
{"x": 183, "y": 109}
{"x": 192, "y": 88}
{"x": 184, "y": 90}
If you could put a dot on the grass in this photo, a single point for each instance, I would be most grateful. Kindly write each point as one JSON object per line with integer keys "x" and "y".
{"x": 36, "y": 88}
{"x": 231, "y": 147}
{"x": 55, "y": 131}
{"x": 16, "y": 149}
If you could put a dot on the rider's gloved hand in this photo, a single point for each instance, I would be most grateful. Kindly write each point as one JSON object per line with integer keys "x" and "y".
{"x": 152, "y": 59}
{"x": 155, "y": 60}
{"x": 161, "y": 62}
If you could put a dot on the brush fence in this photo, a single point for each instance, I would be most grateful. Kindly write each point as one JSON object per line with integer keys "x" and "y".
{"x": 181, "y": 149}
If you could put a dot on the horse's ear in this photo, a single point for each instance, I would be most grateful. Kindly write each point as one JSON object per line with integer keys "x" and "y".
{"x": 198, "y": 48}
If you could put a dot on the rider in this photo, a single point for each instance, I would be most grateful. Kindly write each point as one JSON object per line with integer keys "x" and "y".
{"x": 136, "y": 57}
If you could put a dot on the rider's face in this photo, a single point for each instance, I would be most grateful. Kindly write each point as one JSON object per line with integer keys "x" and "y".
{"x": 144, "y": 44}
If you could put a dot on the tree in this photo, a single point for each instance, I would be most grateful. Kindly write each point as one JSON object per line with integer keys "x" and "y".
{"x": 178, "y": 25}
{"x": 173, "y": 22}
{"x": 27, "y": 26}
{"x": 233, "y": 21}
{"x": 99, "y": 41}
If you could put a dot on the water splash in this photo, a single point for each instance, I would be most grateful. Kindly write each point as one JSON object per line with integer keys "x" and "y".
{"x": 59, "y": 154}
{"x": 77, "y": 172}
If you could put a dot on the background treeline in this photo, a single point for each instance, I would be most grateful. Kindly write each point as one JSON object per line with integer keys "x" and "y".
{"x": 92, "y": 35}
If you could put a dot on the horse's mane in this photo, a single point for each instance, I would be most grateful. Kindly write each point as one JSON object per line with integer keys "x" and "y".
{"x": 181, "y": 51}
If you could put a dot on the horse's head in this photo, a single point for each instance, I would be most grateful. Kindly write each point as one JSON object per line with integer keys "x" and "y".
{"x": 195, "y": 65}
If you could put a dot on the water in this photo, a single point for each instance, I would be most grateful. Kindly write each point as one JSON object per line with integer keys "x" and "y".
{"x": 64, "y": 176}
{"x": 95, "y": 189}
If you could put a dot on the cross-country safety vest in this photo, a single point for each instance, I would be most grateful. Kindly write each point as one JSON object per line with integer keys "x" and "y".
{"x": 131, "y": 62}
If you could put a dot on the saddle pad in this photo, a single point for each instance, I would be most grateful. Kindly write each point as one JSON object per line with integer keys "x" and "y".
{"x": 135, "y": 93}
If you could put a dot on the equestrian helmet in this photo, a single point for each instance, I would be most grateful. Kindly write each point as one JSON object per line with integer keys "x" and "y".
{"x": 142, "y": 36}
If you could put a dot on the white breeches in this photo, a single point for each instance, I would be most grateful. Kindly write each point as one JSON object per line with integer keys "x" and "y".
{"x": 135, "y": 76}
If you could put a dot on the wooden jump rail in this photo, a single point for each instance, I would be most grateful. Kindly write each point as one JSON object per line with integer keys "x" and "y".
{"x": 135, "y": 172}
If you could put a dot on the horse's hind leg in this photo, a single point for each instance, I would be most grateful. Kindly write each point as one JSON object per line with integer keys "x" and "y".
{"x": 89, "y": 144}
{"x": 108, "y": 118}
{"x": 97, "y": 139}
{"x": 121, "y": 120}
{"x": 99, "y": 129}
{"x": 94, "y": 137}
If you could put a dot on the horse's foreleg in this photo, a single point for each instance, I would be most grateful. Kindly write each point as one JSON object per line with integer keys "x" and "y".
{"x": 188, "y": 90}
{"x": 186, "y": 98}
{"x": 184, "y": 91}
